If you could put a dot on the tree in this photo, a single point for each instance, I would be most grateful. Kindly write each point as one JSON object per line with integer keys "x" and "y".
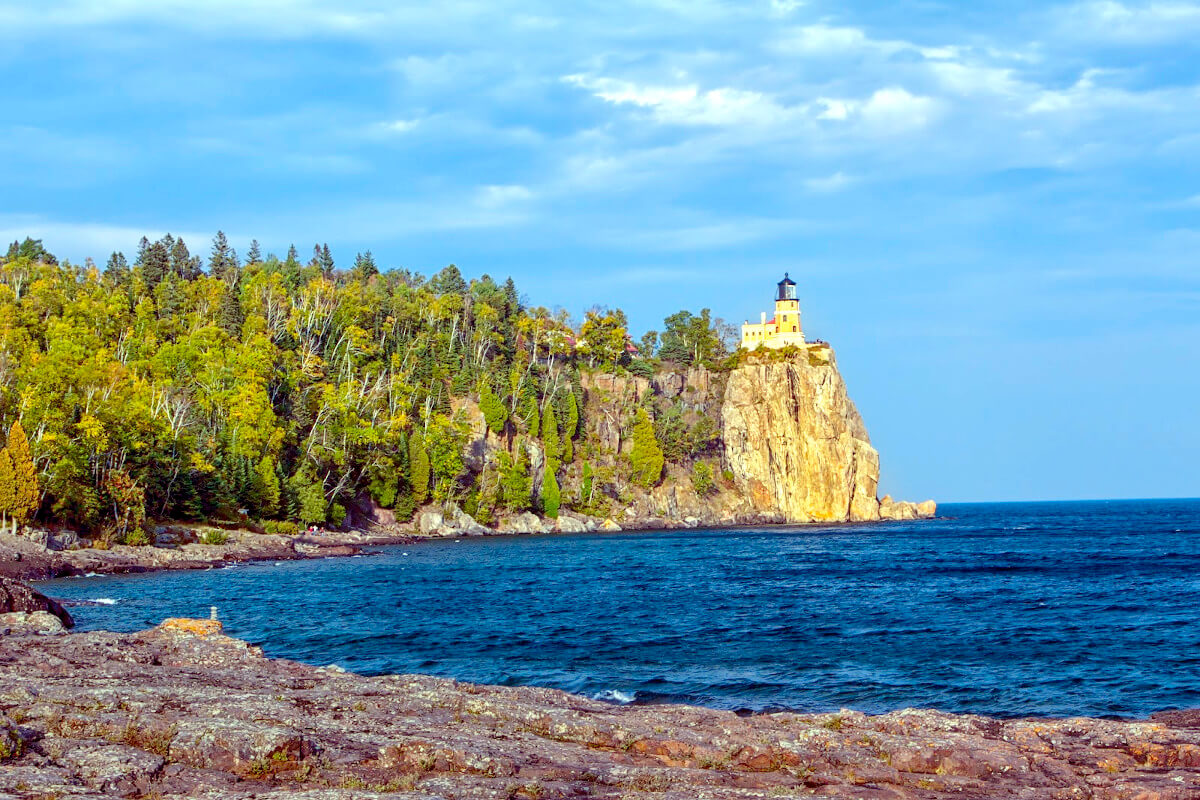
{"x": 516, "y": 485}
{"x": 647, "y": 456}
{"x": 550, "y": 495}
{"x": 325, "y": 261}
{"x": 221, "y": 261}
{"x": 155, "y": 262}
{"x": 26, "y": 493}
{"x": 310, "y": 498}
{"x": 8, "y": 489}
{"x": 448, "y": 281}
{"x": 690, "y": 339}
{"x": 255, "y": 254}
{"x": 116, "y": 271}
{"x": 603, "y": 338}
{"x": 703, "y": 479}
{"x": 31, "y": 249}
{"x": 551, "y": 444}
{"x": 418, "y": 466}
{"x": 495, "y": 413}
{"x": 649, "y": 344}
{"x": 266, "y": 485}
{"x": 183, "y": 264}
{"x": 364, "y": 267}
{"x": 570, "y": 427}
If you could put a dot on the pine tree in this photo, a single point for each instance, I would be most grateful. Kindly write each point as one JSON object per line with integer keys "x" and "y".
{"x": 647, "y": 455}
{"x": 116, "y": 271}
{"x": 229, "y": 314}
{"x": 221, "y": 261}
{"x": 182, "y": 262}
{"x": 326, "y": 261}
{"x": 169, "y": 297}
{"x": 267, "y": 486}
{"x": 551, "y": 497}
{"x": 8, "y": 489}
{"x": 570, "y": 428}
{"x": 255, "y": 254}
{"x": 418, "y": 465}
{"x": 364, "y": 266}
{"x": 155, "y": 262}
{"x": 495, "y": 413}
{"x": 550, "y": 441}
{"x": 291, "y": 268}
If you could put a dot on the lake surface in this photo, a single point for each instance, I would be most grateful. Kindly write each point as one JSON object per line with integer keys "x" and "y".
{"x": 1003, "y": 609}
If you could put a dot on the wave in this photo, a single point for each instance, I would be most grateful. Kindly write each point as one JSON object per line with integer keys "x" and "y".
{"x": 104, "y": 601}
{"x": 615, "y": 696}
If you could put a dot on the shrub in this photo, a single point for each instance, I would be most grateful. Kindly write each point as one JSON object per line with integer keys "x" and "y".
{"x": 137, "y": 538}
{"x": 702, "y": 478}
{"x": 551, "y": 497}
{"x": 647, "y": 456}
{"x": 214, "y": 537}
{"x": 281, "y": 528}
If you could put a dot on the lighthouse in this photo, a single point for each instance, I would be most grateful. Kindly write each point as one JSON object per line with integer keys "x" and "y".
{"x": 784, "y": 328}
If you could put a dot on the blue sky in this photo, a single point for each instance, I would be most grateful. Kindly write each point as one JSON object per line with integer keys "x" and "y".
{"x": 992, "y": 209}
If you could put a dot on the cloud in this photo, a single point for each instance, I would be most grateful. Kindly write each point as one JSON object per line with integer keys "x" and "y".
{"x": 1131, "y": 24}
{"x": 830, "y": 183}
{"x": 688, "y": 105}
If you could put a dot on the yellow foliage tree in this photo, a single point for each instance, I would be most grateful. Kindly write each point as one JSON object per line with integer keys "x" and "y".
{"x": 8, "y": 489}
{"x": 26, "y": 493}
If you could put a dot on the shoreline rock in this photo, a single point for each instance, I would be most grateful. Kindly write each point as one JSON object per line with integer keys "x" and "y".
{"x": 182, "y": 710}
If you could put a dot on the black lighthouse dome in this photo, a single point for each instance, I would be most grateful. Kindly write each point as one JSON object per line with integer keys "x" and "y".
{"x": 787, "y": 289}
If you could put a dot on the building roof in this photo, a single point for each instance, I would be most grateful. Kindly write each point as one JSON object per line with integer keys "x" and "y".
{"x": 787, "y": 281}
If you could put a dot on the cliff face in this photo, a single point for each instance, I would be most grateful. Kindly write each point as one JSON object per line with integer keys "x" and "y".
{"x": 796, "y": 444}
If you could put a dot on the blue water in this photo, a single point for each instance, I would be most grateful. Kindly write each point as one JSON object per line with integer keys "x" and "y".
{"x": 1005, "y": 609}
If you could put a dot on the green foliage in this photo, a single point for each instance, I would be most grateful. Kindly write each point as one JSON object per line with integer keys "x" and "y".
{"x": 703, "y": 479}
{"x": 586, "y": 486}
{"x": 214, "y": 537}
{"x": 690, "y": 339}
{"x": 647, "y": 457}
{"x": 445, "y": 441}
{"x": 495, "y": 413}
{"x": 551, "y": 496}
{"x": 136, "y": 538}
{"x": 170, "y": 387}
{"x": 551, "y": 444}
{"x": 516, "y": 484}
{"x": 281, "y": 527}
{"x": 419, "y": 468}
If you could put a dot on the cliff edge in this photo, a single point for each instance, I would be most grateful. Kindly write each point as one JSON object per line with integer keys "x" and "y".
{"x": 796, "y": 444}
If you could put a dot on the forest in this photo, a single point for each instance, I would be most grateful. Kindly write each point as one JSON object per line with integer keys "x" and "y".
{"x": 176, "y": 387}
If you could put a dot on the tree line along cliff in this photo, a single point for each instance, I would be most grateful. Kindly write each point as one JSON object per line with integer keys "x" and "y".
{"x": 293, "y": 392}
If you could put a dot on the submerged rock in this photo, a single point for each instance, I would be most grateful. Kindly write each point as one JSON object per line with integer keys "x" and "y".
{"x": 185, "y": 711}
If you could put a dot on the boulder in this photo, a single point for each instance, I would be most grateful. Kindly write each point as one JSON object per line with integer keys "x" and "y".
{"x": 568, "y": 524}
{"x": 897, "y": 510}
{"x": 431, "y": 522}
{"x": 21, "y": 622}
{"x": 609, "y": 526}
{"x": 17, "y": 597}
{"x": 927, "y": 509}
{"x": 526, "y": 522}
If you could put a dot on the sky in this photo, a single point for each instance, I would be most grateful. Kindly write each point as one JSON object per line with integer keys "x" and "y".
{"x": 992, "y": 209}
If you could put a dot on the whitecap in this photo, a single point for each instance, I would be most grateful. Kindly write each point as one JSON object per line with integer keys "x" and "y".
{"x": 616, "y": 696}
{"x": 91, "y": 574}
{"x": 104, "y": 601}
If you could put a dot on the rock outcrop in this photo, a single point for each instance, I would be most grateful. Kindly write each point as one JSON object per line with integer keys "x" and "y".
{"x": 796, "y": 444}
{"x": 17, "y": 598}
{"x": 183, "y": 711}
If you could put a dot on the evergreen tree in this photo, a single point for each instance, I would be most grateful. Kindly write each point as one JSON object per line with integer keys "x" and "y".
{"x": 155, "y": 262}
{"x": 169, "y": 297}
{"x": 267, "y": 488}
{"x": 647, "y": 456}
{"x": 326, "y": 261}
{"x": 550, "y": 441}
{"x": 183, "y": 264}
{"x": 551, "y": 497}
{"x": 220, "y": 263}
{"x": 291, "y": 268}
{"x": 116, "y": 271}
{"x": 495, "y": 413}
{"x": 310, "y": 499}
{"x": 448, "y": 281}
{"x": 364, "y": 266}
{"x": 570, "y": 428}
{"x": 255, "y": 254}
{"x": 229, "y": 314}
{"x": 418, "y": 466}
{"x": 515, "y": 481}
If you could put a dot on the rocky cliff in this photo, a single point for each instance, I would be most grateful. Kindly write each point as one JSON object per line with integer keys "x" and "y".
{"x": 796, "y": 445}
{"x": 779, "y": 436}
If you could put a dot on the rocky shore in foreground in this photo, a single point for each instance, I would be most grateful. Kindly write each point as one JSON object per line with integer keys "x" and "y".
{"x": 184, "y": 711}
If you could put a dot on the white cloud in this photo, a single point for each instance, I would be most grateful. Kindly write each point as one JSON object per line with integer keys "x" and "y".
{"x": 830, "y": 183}
{"x": 1141, "y": 23}
{"x": 500, "y": 196}
{"x": 895, "y": 109}
{"x": 688, "y": 105}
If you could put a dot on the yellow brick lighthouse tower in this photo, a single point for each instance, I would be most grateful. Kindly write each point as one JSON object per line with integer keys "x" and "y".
{"x": 784, "y": 329}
